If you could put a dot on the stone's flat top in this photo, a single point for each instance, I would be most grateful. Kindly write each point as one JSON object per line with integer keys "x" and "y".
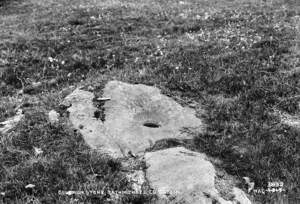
{"x": 136, "y": 116}
{"x": 81, "y": 114}
{"x": 131, "y": 107}
{"x": 184, "y": 174}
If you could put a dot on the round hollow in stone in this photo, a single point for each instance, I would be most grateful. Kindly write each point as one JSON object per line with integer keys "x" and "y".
{"x": 151, "y": 124}
{"x": 136, "y": 116}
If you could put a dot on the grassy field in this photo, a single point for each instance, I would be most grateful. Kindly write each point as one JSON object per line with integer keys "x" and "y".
{"x": 237, "y": 60}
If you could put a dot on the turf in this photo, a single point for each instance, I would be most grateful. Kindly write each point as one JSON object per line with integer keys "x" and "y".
{"x": 234, "y": 59}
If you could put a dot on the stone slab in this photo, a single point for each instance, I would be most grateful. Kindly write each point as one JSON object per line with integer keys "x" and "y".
{"x": 131, "y": 106}
{"x": 180, "y": 175}
{"x": 136, "y": 116}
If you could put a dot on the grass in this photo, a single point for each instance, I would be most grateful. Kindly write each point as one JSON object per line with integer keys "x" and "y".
{"x": 231, "y": 57}
{"x": 66, "y": 163}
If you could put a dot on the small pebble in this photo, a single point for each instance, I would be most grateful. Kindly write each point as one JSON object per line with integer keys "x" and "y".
{"x": 30, "y": 186}
{"x": 53, "y": 116}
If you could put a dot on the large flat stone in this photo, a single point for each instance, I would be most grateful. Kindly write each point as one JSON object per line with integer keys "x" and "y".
{"x": 131, "y": 106}
{"x": 136, "y": 116}
{"x": 180, "y": 175}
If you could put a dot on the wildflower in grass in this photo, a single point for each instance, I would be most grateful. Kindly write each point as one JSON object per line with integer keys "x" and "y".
{"x": 37, "y": 151}
{"x": 183, "y": 15}
{"x": 206, "y": 15}
{"x": 51, "y": 59}
{"x": 69, "y": 193}
{"x": 190, "y": 36}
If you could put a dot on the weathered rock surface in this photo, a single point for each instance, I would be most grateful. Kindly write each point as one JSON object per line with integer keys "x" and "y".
{"x": 181, "y": 175}
{"x": 139, "y": 115}
{"x": 136, "y": 116}
{"x": 82, "y": 117}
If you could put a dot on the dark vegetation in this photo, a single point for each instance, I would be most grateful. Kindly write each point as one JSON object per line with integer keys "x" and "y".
{"x": 234, "y": 60}
{"x": 66, "y": 162}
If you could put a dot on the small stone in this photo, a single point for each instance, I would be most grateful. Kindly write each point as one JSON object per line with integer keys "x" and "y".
{"x": 37, "y": 151}
{"x": 53, "y": 116}
{"x": 249, "y": 184}
{"x": 81, "y": 127}
{"x": 33, "y": 88}
{"x": 52, "y": 82}
{"x": 90, "y": 88}
{"x": 69, "y": 193}
{"x": 20, "y": 92}
{"x": 103, "y": 99}
{"x": 239, "y": 150}
{"x": 193, "y": 104}
{"x": 64, "y": 105}
{"x": 240, "y": 196}
{"x": 51, "y": 59}
{"x": 30, "y": 186}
